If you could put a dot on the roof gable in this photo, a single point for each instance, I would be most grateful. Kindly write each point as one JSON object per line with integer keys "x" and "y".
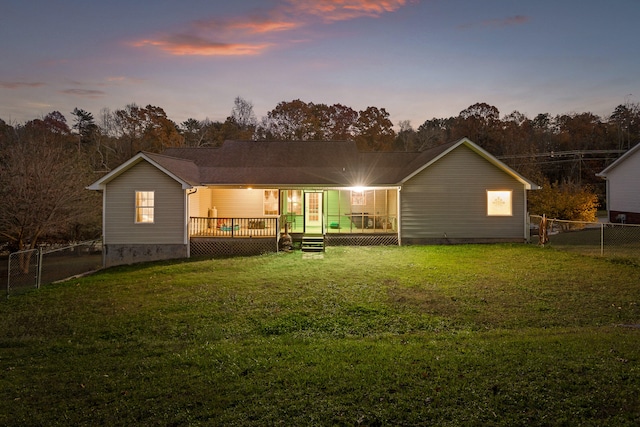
{"x": 630, "y": 153}
{"x": 435, "y": 154}
{"x": 183, "y": 171}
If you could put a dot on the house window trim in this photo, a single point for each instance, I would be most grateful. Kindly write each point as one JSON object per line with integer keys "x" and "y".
{"x": 492, "y": 196}
{"x": 295, "y": 199}
{"x": 139, "y": 206}
{"x": 269, "y": 207}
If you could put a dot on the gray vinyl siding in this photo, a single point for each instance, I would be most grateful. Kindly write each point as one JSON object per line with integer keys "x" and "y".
{"x": 169, "y": 216}
{"x": 624, "y": 183}
{"x": 448, "y": 200}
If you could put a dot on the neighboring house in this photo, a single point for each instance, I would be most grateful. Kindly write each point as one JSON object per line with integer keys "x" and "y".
{"x": 241, "y": 197}
{"x": 623, "y": 187}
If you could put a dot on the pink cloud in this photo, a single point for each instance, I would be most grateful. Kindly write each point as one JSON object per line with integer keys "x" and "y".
{"x": 253, "y": 35}
{"x": 19, "y": 85}
{"x": 341, "y": 10}
{"x": 192, "y": 45}
{"x": 250, "y": 26}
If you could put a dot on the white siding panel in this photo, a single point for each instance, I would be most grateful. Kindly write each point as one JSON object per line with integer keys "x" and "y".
{"x": 624, "y": 185}
{"x": 169, "y": 222}
{"x": 200, "y": 202}
{"x": 240, "y": 203}
{"x": 449, "y": 200}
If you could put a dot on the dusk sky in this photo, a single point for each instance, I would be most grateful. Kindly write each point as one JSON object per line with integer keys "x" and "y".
{"x": 418, "y": 59}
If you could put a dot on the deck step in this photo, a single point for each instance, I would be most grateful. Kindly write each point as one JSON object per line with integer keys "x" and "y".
{"x": 312, "y": 243}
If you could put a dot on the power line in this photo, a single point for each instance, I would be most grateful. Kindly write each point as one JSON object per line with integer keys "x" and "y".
{"x": 552, "y": 154}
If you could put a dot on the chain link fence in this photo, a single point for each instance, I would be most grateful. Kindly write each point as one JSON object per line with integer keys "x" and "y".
{"x": 34, "y": 268}
{"x": 22, "y": 271}
{"x": 606, "y": 239}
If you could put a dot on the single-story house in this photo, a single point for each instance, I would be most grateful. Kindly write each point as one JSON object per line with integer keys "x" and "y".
{"x": 623, "y": 187}
{"x": 243, "y": 196}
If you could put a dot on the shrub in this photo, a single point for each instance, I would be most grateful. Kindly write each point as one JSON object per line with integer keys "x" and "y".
{"x": 567, "y": 201}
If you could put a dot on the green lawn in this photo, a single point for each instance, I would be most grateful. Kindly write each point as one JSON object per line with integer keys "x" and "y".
{"x": 509, "y": 335}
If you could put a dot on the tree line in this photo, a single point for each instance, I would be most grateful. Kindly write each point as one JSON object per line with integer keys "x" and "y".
{"x": 46, "y": 163}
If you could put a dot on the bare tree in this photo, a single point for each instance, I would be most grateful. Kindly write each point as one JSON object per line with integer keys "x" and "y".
{"x": 242, "y": 114}
{"x": 406, "y": 138}
{"x": 42, "y": 180}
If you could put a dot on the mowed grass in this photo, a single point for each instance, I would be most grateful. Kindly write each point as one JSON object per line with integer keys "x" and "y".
{"x": 507, "y": 335}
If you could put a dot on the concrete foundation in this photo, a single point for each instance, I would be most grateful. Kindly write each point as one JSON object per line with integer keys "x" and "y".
{"x": 115, "y": 254}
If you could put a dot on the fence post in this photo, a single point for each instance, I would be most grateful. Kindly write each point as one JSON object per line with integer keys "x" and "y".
{"x": 601, "y": 239}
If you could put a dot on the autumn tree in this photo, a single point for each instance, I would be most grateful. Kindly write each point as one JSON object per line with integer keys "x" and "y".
{"x": 625, "y": 121}
{"x": 159, "y": 131}
{"x": 515, "y": 136}
{"x": 42, "y": 185}
{"x": 300, "y": 121}
{"x": 342, "y": 121}
{"x": 5, "y": 132}
{"x": 194, "y": 132}
{"x": 479, "y": 123}
{"x": 288, "y": 121}
{"x": 433, "y": 132}
{"x": 55, "y": 122}
{"x": 133, "y": 129}
{"x": 567, "y": 201}
{"x": 584, "y": 131}
{"x": 406, "y": 137}
{"x": 374, "y": 130}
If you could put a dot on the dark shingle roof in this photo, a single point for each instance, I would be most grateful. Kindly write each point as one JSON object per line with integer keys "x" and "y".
{"x": 184, "y": 169}
{"x": 296, "y": 164}
{"x": 328, "y": 163}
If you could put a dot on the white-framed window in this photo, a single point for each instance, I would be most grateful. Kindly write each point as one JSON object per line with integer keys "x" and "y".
{"x": 270, "y": 202}
{"x": 294, "y": 202}
{"x": 499, "y": 203}
{"x": 144, "y": 207}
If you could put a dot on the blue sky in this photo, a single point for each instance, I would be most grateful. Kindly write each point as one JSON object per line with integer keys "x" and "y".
{"x": 418, "y": 59}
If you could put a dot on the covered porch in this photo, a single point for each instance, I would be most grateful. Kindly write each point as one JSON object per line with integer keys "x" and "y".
{"x": 257, "y": 217}
{"x": 340, "y": 211}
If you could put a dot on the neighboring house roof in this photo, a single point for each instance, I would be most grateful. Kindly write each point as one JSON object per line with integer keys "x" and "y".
{"x": 183, "y": 171}
{"x": 297, "y": 163}
{"x": 620, "y": 160}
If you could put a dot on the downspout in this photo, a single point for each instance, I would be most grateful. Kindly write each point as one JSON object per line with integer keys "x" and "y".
{"x": 527, "y": 219}
{"x": 398, "y": 216}
{"x": 608, "y": 196}
{"x": 104, "y": 226}
{"x": 188, "y": 220}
